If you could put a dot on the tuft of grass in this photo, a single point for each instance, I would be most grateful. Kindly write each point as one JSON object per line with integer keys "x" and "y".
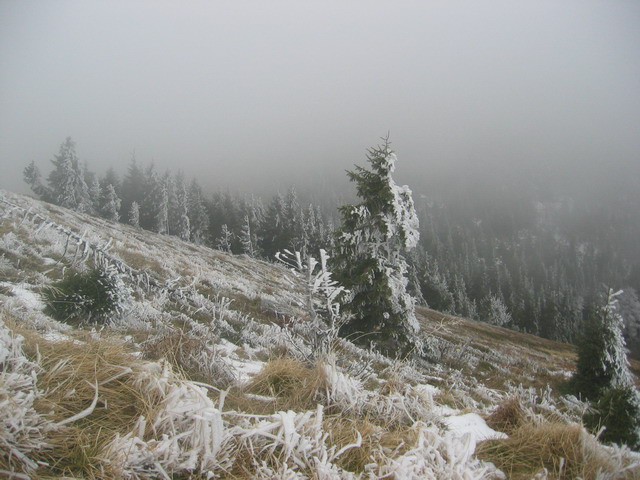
{"x": 508, "y": 416}
{"x": 532, "y": 448}
{"x": 344, "y": 431}
{"x": 72, "y": 372}
{"x": 294, "y": 385}
{"x": 565, "y": 451}
{"x": 189, "y": 354}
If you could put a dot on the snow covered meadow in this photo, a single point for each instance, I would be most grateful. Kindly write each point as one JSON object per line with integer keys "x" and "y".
{"x": 210, "y": 370}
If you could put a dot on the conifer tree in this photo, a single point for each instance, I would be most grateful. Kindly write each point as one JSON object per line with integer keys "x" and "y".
{"x": 247, "y": 238}
{"x": 161, "y": 195}
{"x": 133, "y": 186}
{"x": 95, "y": 192}
{"x": 369, "y": 260}
{"x": 179, "y": 209}
{"x": 603, "y": 376}
{"x": 274, "y": 238}
{"x": 495, "y": 311}
{"x": 33, "y": 178}
{"x": 198, "y": 216}
{"x": 134, "y": 215}
{"x": 225, "y": 240}
{"x": 111, "y": 204}
{"x": 66, "y": 180}
{"x": 60, "y": 179}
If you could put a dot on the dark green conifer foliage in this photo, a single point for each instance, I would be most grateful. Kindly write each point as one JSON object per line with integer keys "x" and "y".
{"x": 92, "y": 295}
{"x": 619, "y": 412}
{"x": 603, "y": 376}
{"x": 369, "y": 261}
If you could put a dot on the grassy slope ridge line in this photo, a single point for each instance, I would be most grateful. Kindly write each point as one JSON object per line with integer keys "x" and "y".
{"x": 208, "y": 374}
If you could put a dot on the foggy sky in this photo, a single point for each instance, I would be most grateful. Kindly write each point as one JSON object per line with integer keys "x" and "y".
{"x": 248, "y": 93}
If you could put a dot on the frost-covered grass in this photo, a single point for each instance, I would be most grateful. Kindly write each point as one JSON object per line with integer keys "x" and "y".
{"x": 210, "y": 371}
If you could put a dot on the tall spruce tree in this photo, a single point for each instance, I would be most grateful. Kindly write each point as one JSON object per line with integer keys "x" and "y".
{"x": 198, "y": 215}
{"x": 33, "y": 178}
{"x": 134, "y": 214}
{"x": 603, "y": 376}
{"x": 369, "y": 256}
{"x": 66, "y": 180}
{"x": 602, "y": 359}
{"x": 110, "y": 208}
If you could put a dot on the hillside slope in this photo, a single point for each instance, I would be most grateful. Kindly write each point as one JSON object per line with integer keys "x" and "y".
{"x": 210, "y": 371}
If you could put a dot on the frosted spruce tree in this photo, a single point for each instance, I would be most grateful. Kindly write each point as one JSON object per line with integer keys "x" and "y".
{"x": 198, "y": 215}
{"x": 110, "y": 208}
{"x": 67, "y": 186}
{"x": 134, "y": 215}
{"x": 369, "y": 257}
{"x": 602, "y": 360}
{"x": 603, "y": 376}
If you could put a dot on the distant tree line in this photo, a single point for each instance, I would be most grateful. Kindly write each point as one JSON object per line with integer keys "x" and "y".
{"x": 533, "y": 263}
{"x": 168, "y": 204}
{"x": 528, "y": 262}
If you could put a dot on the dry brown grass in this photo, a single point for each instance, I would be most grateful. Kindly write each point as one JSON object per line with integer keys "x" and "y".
{"x": 344, "y": 431}
{"x": 566, "y": 451}
{"x": 294, "y": 385}
{"x": 508, "y": 416}
{"x": 530, "y": 449}
{"x": 71, "y": 372}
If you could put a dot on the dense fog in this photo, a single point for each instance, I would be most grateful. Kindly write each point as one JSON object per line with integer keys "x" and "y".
{"x": 252, "y": 95}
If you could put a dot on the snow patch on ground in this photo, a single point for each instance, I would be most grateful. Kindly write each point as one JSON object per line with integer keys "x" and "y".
{"x": 26, "y": 297}
{"x": 243, "y": 368}
{"x": 474, "y": 425}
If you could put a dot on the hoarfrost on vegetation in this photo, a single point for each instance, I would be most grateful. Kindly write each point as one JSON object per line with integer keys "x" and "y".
{"x": 22, "y": 429}
{"x": 187, "y": 433}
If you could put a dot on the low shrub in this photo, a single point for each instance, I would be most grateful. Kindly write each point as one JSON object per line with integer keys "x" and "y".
{"x": 84, "y": 296}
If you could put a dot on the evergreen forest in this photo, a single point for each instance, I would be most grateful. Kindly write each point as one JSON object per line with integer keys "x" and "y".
{"x": 520, "y": 254}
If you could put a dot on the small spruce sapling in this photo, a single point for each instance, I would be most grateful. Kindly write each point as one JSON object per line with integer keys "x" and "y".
{"x": 93, "y": 295}
{"x": 322, "y": 298}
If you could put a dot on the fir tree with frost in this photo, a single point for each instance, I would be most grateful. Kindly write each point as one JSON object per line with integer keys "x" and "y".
{"x": 321, "y": 299}
{"x": 133, "y": 185}
{"x": 33, "y": 178}
{"x": 95, "y": 193}
{"x": 110, "y": 204}
{"x": 629, "y": 307}
{"x": 134, "y": 215}
{"x": 225, "y": 240}
{"x": 179, "y": 209}
{"x": 613, "y": 358}
{"x": 603, "y": 376}
{"x": 369, "y": 256}
{"x": 151, "y": 199}
{"x": 61, "y": 178}
{"x": 160, "y": 197}
{"x": 496, "y": 311}
{"x": 198, "y": 215}
{"x": 247, "y": 238}
{"x": 66, "y": 181}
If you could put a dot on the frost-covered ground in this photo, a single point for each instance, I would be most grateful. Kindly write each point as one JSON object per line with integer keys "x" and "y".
{"x": 212, "y": 352}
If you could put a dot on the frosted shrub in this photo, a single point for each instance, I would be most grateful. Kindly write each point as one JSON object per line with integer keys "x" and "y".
{"x": 95, "y": 294}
